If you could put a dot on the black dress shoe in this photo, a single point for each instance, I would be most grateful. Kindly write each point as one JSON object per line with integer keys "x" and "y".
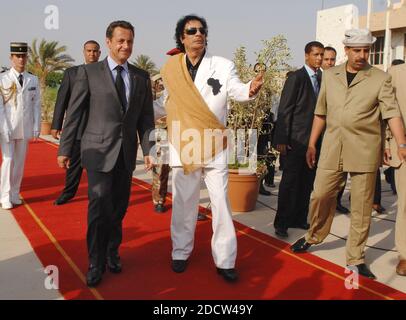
{"x": 94, "y": 276}
{"x": 270, "y": 185}
{"x": 114, "y": 264}
{"x": 230, "y": 275}
{"x": 378, "y": 208}
{"x": 179, "y": 266}
{"x": 304, "y": 226}
{"x": 62, "y": 199}
{"x": 363, "y": 270}
{"x": 263, "y": 191}
{"x": 159, "y": 208}
{"x": 281, "y": 232}
{"x": 201, "y": 217}
{"x": 300, "y": 246}
{"x": 340, "y": 208}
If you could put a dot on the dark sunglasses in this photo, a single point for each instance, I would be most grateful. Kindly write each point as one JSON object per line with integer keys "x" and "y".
{"x": 192, "y": 31}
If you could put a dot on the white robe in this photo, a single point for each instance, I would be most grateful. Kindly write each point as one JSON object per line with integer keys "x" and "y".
{"x": 186, "y": 188}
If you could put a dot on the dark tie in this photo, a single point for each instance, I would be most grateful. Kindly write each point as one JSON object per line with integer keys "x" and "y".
{"x": 21, "y": 79}
{"x": 120, "y": 86}
{"x": 316, "y": 85}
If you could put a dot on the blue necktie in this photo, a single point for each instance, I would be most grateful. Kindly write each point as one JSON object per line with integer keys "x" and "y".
{"x": 315, "y": 84}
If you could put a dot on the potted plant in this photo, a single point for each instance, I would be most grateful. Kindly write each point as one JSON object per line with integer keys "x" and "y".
{"x": 47, "y": 109}
{"x": 245, "y": 121}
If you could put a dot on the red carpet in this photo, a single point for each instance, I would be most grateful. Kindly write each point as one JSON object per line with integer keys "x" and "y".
{"x": 267, "y": 268}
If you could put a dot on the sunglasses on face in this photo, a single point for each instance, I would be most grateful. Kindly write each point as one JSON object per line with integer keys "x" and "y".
{"x": 192, "y": 31}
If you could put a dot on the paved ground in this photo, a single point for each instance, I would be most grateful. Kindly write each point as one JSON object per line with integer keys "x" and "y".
{"x": 22, "y": 275}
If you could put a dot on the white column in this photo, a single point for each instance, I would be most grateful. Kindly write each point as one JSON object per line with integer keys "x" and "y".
{"x": 388, "y": 36}
{"x": 369, "y": 12}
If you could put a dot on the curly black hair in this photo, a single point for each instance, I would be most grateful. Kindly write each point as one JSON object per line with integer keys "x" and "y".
{"x": 180, "y": 27}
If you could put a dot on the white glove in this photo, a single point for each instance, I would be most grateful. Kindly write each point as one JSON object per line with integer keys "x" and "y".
{"x": 35, "y": 134}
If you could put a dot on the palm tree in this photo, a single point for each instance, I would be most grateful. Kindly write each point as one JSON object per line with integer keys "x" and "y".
{"x": 48, "y": 57}
{"x": 145, "y": 63}
{"x": 44, "y": 60}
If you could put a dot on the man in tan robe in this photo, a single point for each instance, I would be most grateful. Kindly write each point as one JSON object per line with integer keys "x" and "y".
{"x": 354, "y": 99}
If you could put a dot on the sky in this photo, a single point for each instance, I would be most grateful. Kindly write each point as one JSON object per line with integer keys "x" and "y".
{"x": 232, "y": 23}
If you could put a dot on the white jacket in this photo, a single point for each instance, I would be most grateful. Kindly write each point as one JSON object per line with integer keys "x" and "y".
{"x": 21, "y": 120}
{"x": 223, "y": 70}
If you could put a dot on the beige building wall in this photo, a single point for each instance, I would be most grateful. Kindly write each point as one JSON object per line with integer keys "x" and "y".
{"x": 397, "y": 26}
{"x": 331, "y": 26}
{"x": 332, "y": 23}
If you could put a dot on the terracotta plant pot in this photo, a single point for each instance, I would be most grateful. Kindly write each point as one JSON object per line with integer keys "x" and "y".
{"x": 45, "y": 128}
{"x": 242, "y": 191}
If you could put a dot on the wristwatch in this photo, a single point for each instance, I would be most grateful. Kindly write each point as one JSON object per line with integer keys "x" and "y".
{"x": 402, "y": 145}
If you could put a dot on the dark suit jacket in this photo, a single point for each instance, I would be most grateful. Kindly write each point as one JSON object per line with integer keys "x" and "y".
{"x": 62, "y": 101}
{"x": 296, "y": 111}
{"x": 107, "y": 128}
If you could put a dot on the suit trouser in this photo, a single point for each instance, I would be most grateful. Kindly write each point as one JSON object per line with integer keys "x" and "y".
{"x": 341, "y": 192}
{"x": 109, "y": 194}
{"x": 323, "y": 204}
{"x": 377, "y": 192}
{"x": 12, "y": 168}
{"x": 294, "y": 190}
{"x": 400, "y": 229}
{"x": 186, "y": 193}
{"x": 74, "y": 172}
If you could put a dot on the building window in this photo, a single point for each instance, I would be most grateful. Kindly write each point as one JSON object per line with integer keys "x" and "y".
{"x": 376, "y": 55}
{"x": 404, "y": 50}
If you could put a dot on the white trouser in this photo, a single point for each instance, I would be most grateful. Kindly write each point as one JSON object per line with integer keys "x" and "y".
{"x": 186, "y": 193}
{"x": 12, "y": 168}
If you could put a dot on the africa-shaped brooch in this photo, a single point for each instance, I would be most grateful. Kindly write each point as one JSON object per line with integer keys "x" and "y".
{"x": 215, "y": 84}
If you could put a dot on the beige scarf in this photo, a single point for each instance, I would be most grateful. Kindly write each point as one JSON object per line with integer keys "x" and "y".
{"x": 186, "y": 107}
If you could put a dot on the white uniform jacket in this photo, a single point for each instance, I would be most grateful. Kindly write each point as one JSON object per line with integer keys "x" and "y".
{"x": 214, "y": 68}
{"x": 21, "y": 115}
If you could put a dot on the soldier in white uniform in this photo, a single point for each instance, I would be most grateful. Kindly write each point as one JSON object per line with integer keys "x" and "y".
{"x": 22, "y": 114}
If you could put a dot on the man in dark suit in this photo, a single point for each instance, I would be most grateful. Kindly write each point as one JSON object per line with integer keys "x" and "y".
{"x": 91, "y": 53}
{"x": 118, "y": 99}
{"x": 292, "y": 133}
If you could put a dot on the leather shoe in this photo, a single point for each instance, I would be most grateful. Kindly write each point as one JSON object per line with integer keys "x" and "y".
{"x": 230, "y": 275}
{"x": 263, "y": 191}
{"x": 159, "y": 208}
{"x": 304, "y": 226}
{"x": 201, "y": 217}
{"x": 114, "y": 264}
{"x": 270, "y": 185}
{"x": 179, "y": 266}
{"x": 341, "y": 209}
{"x": 401, "y": 268}
{"x": 62, "y": 199}
{"x": 94, "y": 276}
{"x": 281, "y": 232}
{"x": 363, "y": 270}
{"x": 378, "y": 208}
{"x": 300, "y": 246}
